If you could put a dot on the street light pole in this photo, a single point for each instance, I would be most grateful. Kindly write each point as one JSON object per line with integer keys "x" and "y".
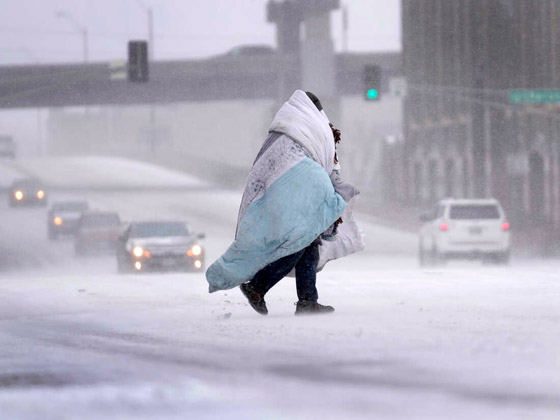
{"x": 150, "y": 14}
{"x": 41, "y": 148}
{"x": 85, "y": 41}
{"x": 152, "y": 111}
{"x": 82, "y": 29}
{"x": 151, "y": 33}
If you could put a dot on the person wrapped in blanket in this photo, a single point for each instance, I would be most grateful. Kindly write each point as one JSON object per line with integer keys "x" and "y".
{"x": 296, "y": 211}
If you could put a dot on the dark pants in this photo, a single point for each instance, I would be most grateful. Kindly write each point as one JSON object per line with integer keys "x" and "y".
{"x": 305, "y": 263}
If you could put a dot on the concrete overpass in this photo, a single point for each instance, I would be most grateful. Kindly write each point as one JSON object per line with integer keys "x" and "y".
{"x": 223, "y": 77}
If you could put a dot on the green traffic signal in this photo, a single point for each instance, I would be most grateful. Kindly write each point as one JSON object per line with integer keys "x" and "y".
{"x": 372, "y": 82}
{"x": 372, "y": 94}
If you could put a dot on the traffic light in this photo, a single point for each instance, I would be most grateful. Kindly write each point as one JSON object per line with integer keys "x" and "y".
{"x": 372, "y": 82}
{"x": 137, "y": 61}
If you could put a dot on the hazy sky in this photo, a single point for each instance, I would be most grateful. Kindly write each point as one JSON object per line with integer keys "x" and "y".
{"x": 31, "y": 32}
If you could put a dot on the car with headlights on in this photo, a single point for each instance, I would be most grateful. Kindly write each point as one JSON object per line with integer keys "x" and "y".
{"x": 63, "y": 217}
{"x": 97, "y": 231}
{"x": 159, "y": 246}
{"x": 465, "y": 228}
{"x": 27, "y": 192}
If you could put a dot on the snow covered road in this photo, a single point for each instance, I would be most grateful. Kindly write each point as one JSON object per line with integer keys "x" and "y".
{"x": 79, "y": 341}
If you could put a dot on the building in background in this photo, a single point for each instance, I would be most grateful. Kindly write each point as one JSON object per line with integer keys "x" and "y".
{"x": 463, "y": 137}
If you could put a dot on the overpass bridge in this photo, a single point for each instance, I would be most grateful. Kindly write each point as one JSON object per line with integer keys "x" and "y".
{"x": 223, "y": 77}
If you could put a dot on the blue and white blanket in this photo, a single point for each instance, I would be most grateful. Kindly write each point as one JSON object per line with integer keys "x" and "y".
{"x": 289, "y": 199}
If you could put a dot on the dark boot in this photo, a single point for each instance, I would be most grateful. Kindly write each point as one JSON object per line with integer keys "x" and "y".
{"x": 255, "y": 299}
{"x": 307, "y": 307}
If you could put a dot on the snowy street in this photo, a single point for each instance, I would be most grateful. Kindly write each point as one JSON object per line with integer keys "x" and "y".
{"x": 399, "y": 158}
{"x": 78, "y": 340}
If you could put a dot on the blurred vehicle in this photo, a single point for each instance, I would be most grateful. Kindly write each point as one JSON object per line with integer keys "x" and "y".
{"x": 466, "y": 228}
{"x": 245, "y": 52}
{"x": 159, "y": 246}
{"x": 63, "y": 217}
{"x": 97, "y": 232}
{"x": 7, "y": 147}
{"x": 251, "y": 50}
{"x": 27, "y": 192}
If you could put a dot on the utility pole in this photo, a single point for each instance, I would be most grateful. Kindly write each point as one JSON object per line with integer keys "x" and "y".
{"x": 152, "y": 111}
{"x": 151, "y": 34}
{"x": 85, "y": 42}
{"x": 150, "y": 15}
{"x": 41, "y": 149}
{"x": 81, "y": 28}
{"x": 151, "y": 57}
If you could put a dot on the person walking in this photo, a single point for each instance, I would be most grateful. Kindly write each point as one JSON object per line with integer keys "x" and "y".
{"x": 290, "y": 216}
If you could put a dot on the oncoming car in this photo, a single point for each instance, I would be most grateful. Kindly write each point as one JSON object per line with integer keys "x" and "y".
{"x": 466, "y": 228}
{"x": 97, "y": 232}
{"x": 63, "y": 217}
{"x": 27, "y": 191}
{"x": 159, "y": 245}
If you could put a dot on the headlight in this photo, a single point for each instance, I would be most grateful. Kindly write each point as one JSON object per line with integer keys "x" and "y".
{"x": 196, "y": 250}
{"x": 40, "y": 194}
{"x": 138, "y": 265}
{"x": 198, "y": 264}
{"x": 18, "y": 195}
{"x": 137, "y": 251}
{"x": 58, "y": 221}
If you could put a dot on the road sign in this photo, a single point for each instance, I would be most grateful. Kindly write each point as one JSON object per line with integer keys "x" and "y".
{"x": 534, "y": 96}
